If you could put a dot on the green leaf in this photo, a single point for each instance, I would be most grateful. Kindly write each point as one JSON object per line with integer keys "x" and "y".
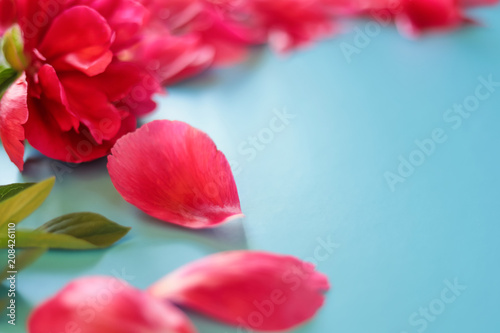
{"x": 17, "y": 207}
{"x": 7, "y": 191}
{"x": 7, "y": 77}
{"x": 77, "y": 231}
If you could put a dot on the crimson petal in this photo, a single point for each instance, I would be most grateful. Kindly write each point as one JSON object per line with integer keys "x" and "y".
{"x": 79, "y": 38}
{"x": 13, "y": 115}
{"x": 106, "y": 305}
{"x": 175, "y": 173}
{"x": 254, "y": 290}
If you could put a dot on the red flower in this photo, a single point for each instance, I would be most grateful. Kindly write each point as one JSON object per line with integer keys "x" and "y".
{"x": 80, "y": 96}
{"x": 175, "y": 173}
{"x": 106, "y": 305}
{"x": 252, "y": 290}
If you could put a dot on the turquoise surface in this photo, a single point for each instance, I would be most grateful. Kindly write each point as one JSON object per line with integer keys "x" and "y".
{"x": 412, "y": 250}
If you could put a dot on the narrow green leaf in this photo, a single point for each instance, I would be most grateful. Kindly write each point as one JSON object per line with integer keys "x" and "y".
{"x": 7, "y": 77}
{"x": 7, "y": 191}
{"x": 77, "y": 231}
{"x": 19, "y": 206}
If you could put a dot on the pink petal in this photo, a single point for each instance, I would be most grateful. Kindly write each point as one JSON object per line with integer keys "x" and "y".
{"x": 78, "y": 38}
{"x": 176, "y": 58}
{"x": 55, "y": 98}
{"x": 125, "y": 17}
{"x": 13, "y": 115}
{"x": 106, "y": 305}
{"x": 175, "y": 173}
{"x": 33, "y": 19}
{"x": 254, "y": 290}
{"x": 90, "y": 105}
{"x": 7, "y": 15}
{"x": 44, "y": 134}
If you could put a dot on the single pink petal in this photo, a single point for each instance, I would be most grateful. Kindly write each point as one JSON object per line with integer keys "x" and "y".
{"x": 255, "y": 290}
{"x": 175, "y": 173}
{"x": 78, "y": 38}
{"x": 13, "y": 115}
{"x": 106, "y": 305}
{"x": 55, "y": 98}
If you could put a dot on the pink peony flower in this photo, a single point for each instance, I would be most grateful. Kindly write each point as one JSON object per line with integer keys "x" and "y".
{"x": 175, "y": 173}
{"x": 106, "y": 305}
{"x": 252, "y": 290}
{"x": 81, "y": 95}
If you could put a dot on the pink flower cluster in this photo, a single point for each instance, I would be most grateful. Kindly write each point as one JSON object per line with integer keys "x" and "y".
{"x": 91, "y": 67}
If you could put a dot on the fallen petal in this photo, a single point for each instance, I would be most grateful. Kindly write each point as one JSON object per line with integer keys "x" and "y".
{"x": 106, "y": 305}
{"x": 254, "y": 290}
{"x": 175, "y": 173}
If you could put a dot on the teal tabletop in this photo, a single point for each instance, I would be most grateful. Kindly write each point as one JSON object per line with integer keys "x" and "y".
{"x": 372, "y": 155}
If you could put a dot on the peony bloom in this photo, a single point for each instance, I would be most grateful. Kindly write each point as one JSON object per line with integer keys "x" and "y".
{"x": 106, "y": 305}
{"x": 252, "y": 290}
{"x": 175, "y": 173}
{"x": 80, "y": 96}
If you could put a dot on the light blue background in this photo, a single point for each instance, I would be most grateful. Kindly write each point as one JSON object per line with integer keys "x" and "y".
{"x": 323, "y": 176}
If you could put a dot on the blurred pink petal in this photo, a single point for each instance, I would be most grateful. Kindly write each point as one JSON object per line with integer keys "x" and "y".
{"x": 173, "y": 58}
{"x": 254, "y": 290}
{"x": 106, "y": 305}
{"x": 175, "y": 173}
{"x": 289, "y": 24}
{"x": 217, "y": 25}
{"x": 13, "y": 115}
{"x": 420, "y": 15}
